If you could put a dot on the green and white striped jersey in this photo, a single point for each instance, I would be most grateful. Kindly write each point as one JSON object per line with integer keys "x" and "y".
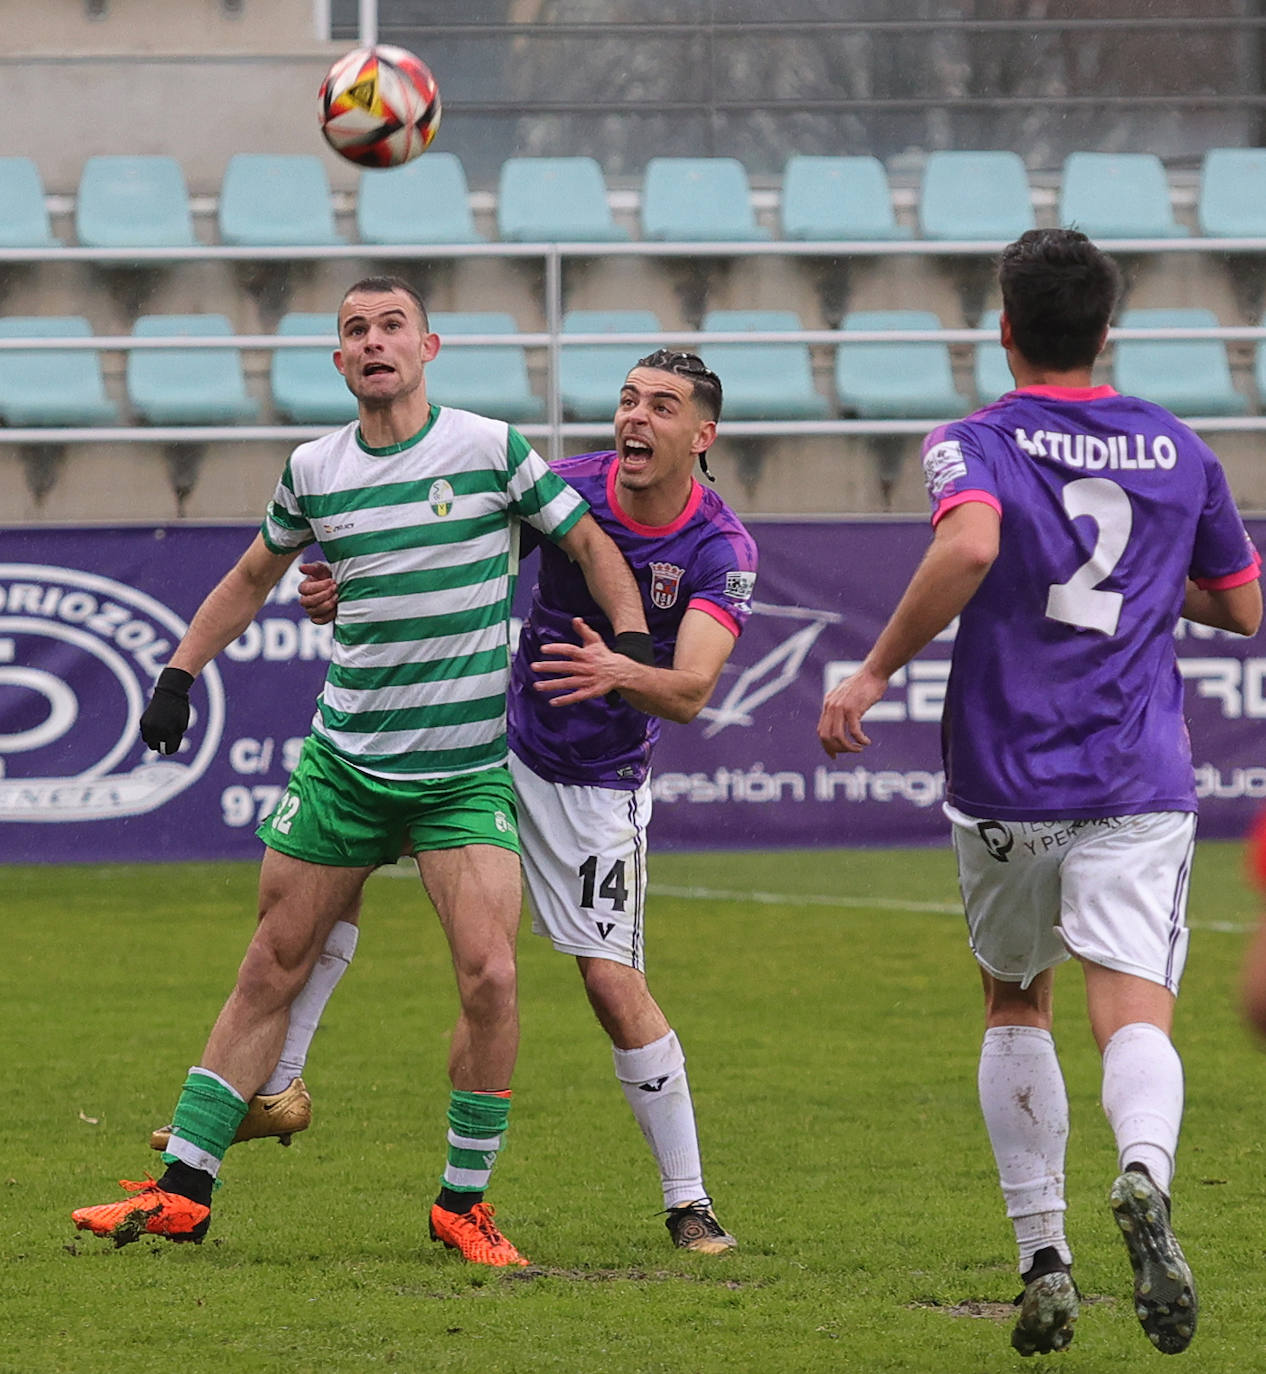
{"x": 423, "y": 540}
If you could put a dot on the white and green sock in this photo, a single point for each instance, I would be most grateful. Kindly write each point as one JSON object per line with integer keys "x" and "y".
{"x": 205, "y": 1121}
{"x": 477, "y": 1122}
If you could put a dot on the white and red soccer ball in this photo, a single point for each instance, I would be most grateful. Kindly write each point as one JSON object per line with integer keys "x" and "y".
{"x": 379, "y": 107}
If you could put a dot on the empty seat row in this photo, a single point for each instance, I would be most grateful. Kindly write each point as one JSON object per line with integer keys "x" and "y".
{"x": 285, "y": 200}
{"x": 762, "y": 380}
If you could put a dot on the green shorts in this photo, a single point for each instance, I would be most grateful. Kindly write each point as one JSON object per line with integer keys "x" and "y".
{"x": 332, "y": 813}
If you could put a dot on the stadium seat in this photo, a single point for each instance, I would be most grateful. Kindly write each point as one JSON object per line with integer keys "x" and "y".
{"x": 307, "y": 388}
{"x": 975, "y": 195}
{"x": 837, "y": 198}
{"x": 697, "y": 199}
{"x": 555, "y": 200}
{"x": 1117, "y": 196}
{"x": 896, "y": 380}
{"x": 51, "y": 386}
{"x": 489, "y": 379}
{"x": 187, "y": 386}
{"x": 590, "y": 375}
{"x": 24, "y": 219}
{"x": 425, "y": 201}
{"x": 763, "y": 381}
{"x": 133, "y": 202}
{"x": 990, "y": 372}
{"x": 276, "y": 200}
{"x": 1187, "y": 376}
{"x": 1232, "y": 202}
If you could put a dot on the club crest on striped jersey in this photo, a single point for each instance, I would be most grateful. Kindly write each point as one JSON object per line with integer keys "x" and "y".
{"x": 441, "y": 497}
{"x": 665, "y": 584}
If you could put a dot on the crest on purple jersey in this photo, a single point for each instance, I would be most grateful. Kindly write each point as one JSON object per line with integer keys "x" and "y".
{"x": 665, "y": 584}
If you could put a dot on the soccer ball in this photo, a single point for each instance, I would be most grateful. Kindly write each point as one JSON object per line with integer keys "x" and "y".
{"x": 379, "y": 107}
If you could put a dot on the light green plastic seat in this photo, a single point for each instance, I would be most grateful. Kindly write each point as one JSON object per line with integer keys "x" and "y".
{"x": 834, "y": 198}
{"x": 52, "y": 386}
{"x": 590, "y": 375}
{"x": 975, "y": 195}
{"x": 187, "y": 386}
{"x": 896, "y": 381}
{"x": 697, "y": 199}
{"x": 307, "y": 388}
{"x": 490, "y": 379}
{"x": 555, "y": 200}
{"x": 1187, "y": 376}
{"x": 276, "y": 200}
{"x": 424, "y": 201}
{"x": 1117, "y": 196}
{"x": 133, "y": 202}
{"x": 759, "y": 380}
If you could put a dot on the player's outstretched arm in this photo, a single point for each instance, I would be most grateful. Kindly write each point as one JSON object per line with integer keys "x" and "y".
{"x": 963, "y": 550}
{"x": 607, "y": 575}
{"x": 228, "y": 609}
{"x": 231, "y": 605}
{"x": 576, "y": 672}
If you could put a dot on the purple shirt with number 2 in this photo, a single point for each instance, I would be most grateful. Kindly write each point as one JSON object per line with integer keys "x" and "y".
{"x": 1064, "y": 697}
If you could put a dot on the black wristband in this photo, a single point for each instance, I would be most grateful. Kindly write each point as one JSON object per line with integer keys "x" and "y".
{"x": 635, "y": 644}
{"x": 174, "y": 680}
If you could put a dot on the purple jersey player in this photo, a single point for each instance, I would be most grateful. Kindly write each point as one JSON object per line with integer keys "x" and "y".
{"x": 581, "y": 766}
{"x": 703, "y": 560}
{"x": 1073, "y": 527}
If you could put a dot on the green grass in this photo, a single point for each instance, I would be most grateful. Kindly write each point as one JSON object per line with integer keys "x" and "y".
{"x": 832, "y": 1039}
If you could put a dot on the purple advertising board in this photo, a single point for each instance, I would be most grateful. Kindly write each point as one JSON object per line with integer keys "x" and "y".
{"x": 88, "y": 616}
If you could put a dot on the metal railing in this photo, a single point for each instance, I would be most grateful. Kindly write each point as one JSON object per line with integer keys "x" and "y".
{"x": 552, "y": 339}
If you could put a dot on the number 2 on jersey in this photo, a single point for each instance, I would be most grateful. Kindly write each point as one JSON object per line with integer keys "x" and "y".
{"x": 1079, "y": 601}
{"x": 613, "y": 887}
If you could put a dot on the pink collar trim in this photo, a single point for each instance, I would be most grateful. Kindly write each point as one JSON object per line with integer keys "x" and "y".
{"x": 652, "y": 531}
{"x": 1069, "y": 393}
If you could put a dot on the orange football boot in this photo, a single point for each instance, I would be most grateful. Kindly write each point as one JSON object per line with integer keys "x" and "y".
{"x": 149, "y": 1211}
{"x": 475, "y": 1234}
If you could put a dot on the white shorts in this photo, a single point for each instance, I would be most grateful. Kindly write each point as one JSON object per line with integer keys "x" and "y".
{"x": 584, "y": 864}
{"x": 1112, "y": 892}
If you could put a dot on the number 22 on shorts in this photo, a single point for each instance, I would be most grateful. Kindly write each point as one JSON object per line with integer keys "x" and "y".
{"x": 283, "y": 817}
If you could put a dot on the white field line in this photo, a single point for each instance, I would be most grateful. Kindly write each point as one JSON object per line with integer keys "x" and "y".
{"x": 713, "y": 894}
{"x": 717, "y": 894}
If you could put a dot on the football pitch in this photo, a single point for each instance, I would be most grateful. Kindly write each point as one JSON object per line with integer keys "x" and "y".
{"x": 829, "y": 1009}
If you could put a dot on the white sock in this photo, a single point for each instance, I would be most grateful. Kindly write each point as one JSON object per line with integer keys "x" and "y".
{"x": 305, "y": 1013}
{"x": 1025, "y": 1107}
{"x": 1143, "y": 1098}
{"x": 654, "y": 1082}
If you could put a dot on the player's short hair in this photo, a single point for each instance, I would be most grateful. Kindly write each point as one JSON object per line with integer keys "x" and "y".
{"x": 1059, "y": 292}
{"x": 384, "y": 286}
{"x": 705, "y": 388}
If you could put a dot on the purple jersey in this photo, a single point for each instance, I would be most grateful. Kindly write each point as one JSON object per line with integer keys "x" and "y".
{"x": 1064, "y": 697}
{"x": 704, "y": 560}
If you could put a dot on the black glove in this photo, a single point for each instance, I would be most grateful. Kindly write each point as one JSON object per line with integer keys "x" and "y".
{"x": 634, "y": 644}
{"x": 166, "y": 718}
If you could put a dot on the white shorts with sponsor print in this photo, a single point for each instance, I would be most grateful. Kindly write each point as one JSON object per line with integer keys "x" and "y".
{"x": 1110, "y": 891}
{"x": 584, "y": 864}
